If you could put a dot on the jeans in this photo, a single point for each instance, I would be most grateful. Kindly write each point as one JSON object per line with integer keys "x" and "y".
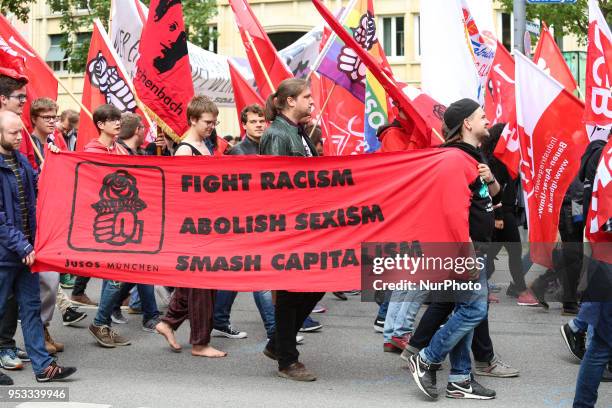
{"x": 107, "y": 304}
{"x": 8, "y": 323}
{"x": 593, "y": 364}
{"x": 263, "y": 301}
{"x": 223, "y": 308}
{"x": 26, "y": 288}
{"x": 147, "y": 299}
{"x": 382, "y": 310}
{"x": 80, "y": 284}
{"x": 455, "y": 337}
{"x": 49, "y": 284}
{"x": 402, "y": 312}
{"x": 135, "y": 302}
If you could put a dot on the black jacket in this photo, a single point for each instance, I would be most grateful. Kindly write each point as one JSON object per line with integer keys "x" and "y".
{"x": 508, "y": 189}
{"x": 244, "y": 148}
{"x": 284, "y": 138}
{"x": 588, "y": 169}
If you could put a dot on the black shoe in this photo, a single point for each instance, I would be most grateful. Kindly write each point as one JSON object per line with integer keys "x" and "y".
{"x": 55, "y": 372}
{"x": 5, "y": 379}
{"x": 340, "y": 295}
{"x": 511, "y": 291}
{"x": 72, "y": 316}
{"x": 424, "y": 375}
{"x": 379, "y": 325}
{"x": 270, "y": 354}
{"x": 607, "y": 375}
{"x": 538, "y": 288}
{"x": 574, "y": 341}
{"x": 469, "y": 389}
{"x": 570, "y": 309}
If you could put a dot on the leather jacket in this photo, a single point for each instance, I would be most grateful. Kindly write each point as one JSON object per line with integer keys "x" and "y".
{"x": 284, "y": 138}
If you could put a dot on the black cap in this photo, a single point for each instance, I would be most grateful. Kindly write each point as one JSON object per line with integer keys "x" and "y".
{"x": 457, "y": 112}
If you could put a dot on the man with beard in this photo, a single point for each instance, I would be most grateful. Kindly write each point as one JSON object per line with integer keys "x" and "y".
{"x": 285, "y": 109}
{"x": 17, "y": 231}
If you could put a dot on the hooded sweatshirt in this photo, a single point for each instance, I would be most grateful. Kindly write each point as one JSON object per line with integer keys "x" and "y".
{"x": 94, "y": 146}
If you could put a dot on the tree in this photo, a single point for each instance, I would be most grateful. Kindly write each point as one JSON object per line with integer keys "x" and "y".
{"x": 565, "y": 18}
{"x": 78, "y": 15}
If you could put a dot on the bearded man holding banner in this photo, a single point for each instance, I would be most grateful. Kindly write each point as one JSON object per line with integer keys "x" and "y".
{"x": 285, "y": 109}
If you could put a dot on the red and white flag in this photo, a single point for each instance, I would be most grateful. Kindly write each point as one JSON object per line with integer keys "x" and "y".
{"x": 598, "y": 98}
{"x": 552, "y": 141}
{"x": 599, "y": 219}
{"x": 163, "y": 77}
{"x": 244, "y": 95}
{"x": 548, "y": 57}
{"x": 42, "y": 82}
{"x": 105, "y": 81}
{"x": 268, "y": 67}
{"x": 499, "y": 97}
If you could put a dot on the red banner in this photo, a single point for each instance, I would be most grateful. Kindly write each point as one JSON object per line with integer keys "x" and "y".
{"x": 299, "y": 226}
{"x": 163, "y": 76}
{"x": 499, "y": 95}
{"x": 244, "y": 95}
{"x": 548, "y": 57}
{"x": 599, "y": 220}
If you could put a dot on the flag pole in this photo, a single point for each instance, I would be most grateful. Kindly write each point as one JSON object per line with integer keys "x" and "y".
{"x": 73, "y": 96}
{"x": 320, "y": 115}
{"x": 36, "y": 151}
{"x": 259, "y": 61}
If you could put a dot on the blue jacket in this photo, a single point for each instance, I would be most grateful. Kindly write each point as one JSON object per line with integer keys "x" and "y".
{"x": 14, "y": 245}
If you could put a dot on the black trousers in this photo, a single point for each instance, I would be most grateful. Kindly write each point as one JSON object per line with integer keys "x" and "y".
{"x": 80, "y": 284}
{"x": 435, "y": 315}
{"x": 290, "y": 311}
{"x": 509, "y": 238}
{"x": 572, "y": 252}
{"x": 8, "y": 324}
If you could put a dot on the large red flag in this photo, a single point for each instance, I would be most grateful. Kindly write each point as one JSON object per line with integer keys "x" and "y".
{"x": 552, "y": 141}
{"x": 244, "y": 95}
{"x": 599, "y": 218}
{"x": 499, "y": 95}
{"x": 268, "y": 68}
{"x": 548, "y": 57}
{"x": 105, "y": 82}
{"x": 42, "y": 81}
{"x": 598, "y": 99}
{"x": 163, "y": 76}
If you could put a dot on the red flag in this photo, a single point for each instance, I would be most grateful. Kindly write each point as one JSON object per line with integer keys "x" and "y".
{"x": 598, "y": 100}
{"x": 548, "y": 57}
{"x": 268, "y": 68}
{"x": 244, "y": 95}
{"x": 600, "y": 213}
{"x": 507, "y": 148}
{"x": 552, "y": 140}
{"x": 42, "y": 81}
{"x": 499, "y": 95}
{"x": 105, "y": 83}
{"x": 163, "y": 76}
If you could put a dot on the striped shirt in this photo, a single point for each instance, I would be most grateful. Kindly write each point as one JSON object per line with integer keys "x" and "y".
{"x": 11, "y": 162}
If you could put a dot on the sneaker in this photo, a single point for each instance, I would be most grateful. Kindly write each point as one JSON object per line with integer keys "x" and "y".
{"x": 340, "y": 295}
{"x": 228, "y": 332}
{"x": 67, "y": 281}
{"x": 424, "y": 375}
{"x": 102, "y": 335}
{"x": 495, "y": 368}
{"x": 575, "y": 342}
{"x": 469, "y": 389}
{"x": 83, "y": 300}
{"x": 379, "y": 325}
{"x": 319, "y": 309}
{"x": 354, "y": 292}
{"x": 9, "y": 360}
{"x": 297, "y": 372}
{"x": 401, "y": 342}
{"x": 299, "y": 339}
{"x": 5, "y": 380}
{"x": 59, "y": 347}
{"x": 118, "y": 318}
{"x": 118, "y": 340}
{"x": 408, "y": 352}
{"x": 494, "y": 288}
{"x": 527, "y": 299}
{"x": 310, "y": 325}
{"x": 149, "y": 325}
{"x": 55, "y": 372}
{"x": 72, "y": 316}
{"x": 21, "y": 354}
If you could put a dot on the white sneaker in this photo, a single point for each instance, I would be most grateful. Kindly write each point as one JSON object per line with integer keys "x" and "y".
{"x": 299, "y": 339}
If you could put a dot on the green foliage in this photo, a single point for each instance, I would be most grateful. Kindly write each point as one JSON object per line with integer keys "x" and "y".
{"x": 20, "y": 8}
{"x": 565, "y": 18}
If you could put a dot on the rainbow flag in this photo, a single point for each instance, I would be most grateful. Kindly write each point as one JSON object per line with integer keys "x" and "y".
{"x": 340, "y": 64}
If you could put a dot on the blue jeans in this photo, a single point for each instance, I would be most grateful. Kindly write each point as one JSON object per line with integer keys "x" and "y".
{"x": 26, "y": 288}
{"x": 147, "y": 299}
{"x": 382, "y": 310}
{"x": 135, "y": 302}
{"x": 455, "y": 337}
{"x": 597, "y": 355}
{"x": 402, "y": 311}
{"x": 107, "y": 304}
{"x": 263, "y": 301}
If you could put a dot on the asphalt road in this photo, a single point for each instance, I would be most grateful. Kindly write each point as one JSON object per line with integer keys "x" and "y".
{"x": 346, "y": 355}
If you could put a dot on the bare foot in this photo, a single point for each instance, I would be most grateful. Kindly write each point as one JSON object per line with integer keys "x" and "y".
{"x": 166, "y": 331}
{"x": 207, "y": 351}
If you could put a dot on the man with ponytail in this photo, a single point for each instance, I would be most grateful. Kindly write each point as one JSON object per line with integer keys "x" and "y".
{"x": 285, "y": 109}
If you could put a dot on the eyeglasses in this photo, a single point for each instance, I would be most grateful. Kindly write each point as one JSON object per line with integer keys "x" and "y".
{"x": 48, "y": 118}
{"x": 112, "y": 120}
{"x": 20, "y": 97}
{"x": 211, "y": 122}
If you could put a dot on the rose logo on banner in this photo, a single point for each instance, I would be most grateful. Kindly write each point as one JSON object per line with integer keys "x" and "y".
{"x": 117, "y": 221}
{"x": 121, "y": 214}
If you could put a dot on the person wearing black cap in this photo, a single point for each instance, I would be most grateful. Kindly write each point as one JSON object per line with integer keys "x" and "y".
{"x": 465, "y": 128}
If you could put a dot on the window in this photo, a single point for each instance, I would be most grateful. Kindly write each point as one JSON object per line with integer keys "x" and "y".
{"x": 393, "y": 36}
{"x": 212, "y": 42}
{"x": 417, "y": 36}
{"x": 56, "y": 57}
